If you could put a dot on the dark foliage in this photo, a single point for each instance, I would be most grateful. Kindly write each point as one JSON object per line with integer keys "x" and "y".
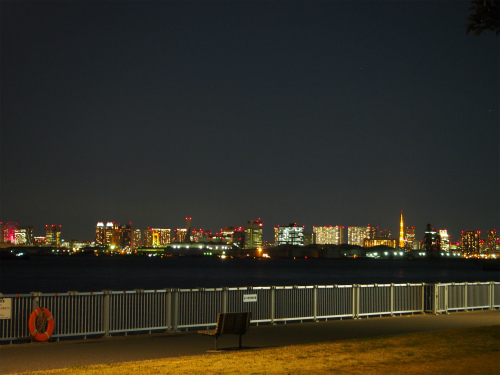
{"x": 484, "y": 16}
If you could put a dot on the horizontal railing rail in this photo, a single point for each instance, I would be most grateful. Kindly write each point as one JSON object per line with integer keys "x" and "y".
{"x": 106, "y": 313}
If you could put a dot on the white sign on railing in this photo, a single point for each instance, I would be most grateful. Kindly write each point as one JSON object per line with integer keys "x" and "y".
{"x": 250, "y": 298}
{"x": 5, "y": 308}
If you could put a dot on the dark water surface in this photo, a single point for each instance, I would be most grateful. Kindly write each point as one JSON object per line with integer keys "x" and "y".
{"x": 61, "y": 274}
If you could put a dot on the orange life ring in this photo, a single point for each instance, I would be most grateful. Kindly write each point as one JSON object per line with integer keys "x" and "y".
{"x": 38, "y": 318}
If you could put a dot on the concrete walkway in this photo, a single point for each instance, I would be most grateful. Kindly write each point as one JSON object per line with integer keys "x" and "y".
{"x": 62, "y": 354}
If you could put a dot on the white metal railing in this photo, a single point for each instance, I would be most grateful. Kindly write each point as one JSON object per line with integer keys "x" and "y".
{"x": 138, "y": 310}
{"x": 334, "y": 301}
{"x": 465, "y": 296}
{"x": 121, "y": 312}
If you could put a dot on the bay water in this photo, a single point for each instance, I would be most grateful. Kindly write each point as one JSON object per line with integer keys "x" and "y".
{"x": 58, "y": 274}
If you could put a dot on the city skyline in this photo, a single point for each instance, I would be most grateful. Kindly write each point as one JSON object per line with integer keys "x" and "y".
{"x": 417, "y": 233}
{"x": 341, "y": 113}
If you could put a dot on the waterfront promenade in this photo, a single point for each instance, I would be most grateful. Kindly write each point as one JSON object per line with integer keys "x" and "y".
{"x": 62, "y": 354}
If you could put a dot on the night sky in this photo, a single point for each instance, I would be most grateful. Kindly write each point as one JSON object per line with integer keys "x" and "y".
{"x": 314, "y": 112}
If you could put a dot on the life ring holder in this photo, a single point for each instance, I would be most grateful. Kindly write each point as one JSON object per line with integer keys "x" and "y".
{"x": 38, "y": 319}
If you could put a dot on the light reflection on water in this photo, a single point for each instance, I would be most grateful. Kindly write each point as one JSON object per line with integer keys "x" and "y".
{"x": 60, "y": 274}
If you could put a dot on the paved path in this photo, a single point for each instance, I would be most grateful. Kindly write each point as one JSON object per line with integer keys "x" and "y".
{"x": 53, "y": 355}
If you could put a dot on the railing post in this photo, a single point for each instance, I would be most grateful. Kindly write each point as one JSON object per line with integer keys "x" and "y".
{"x": 35, "y": 300}
{"x": 423, "y": 298}
{"x": 315, "y": 302}
{"x": 496, "y": 302}
{"x": 465, "y": 295}
{"x": 106, "y": 312}
{"x": 446, "y": 298}
{"x": 168, "y": 308}
{"x": 175, "y": 309}
{"x": 273, "y": 303}
{"x": 435, "y": 299}
{"x": 392, "y": 299}
{"x": 137, "y": 313}
{"x": 355, "y": 301}
{"x": 490, "y": 294}
{"x": 224, "y": 300}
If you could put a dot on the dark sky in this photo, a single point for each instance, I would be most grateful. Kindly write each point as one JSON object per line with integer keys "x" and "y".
{"x": 320, "y": 113}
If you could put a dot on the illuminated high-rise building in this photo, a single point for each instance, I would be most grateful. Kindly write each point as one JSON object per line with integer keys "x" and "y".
{"x": 39, "y": 241}
{"x": 225, "y": 235}
{"x": 108, "y": 233}
{"x": 432, "y": 242}
{"x": 104, "y": 233}
{"x": 53, "y": 235}
{"x": 308, "y": 238}
{"x": 121, "y": 236}
{"x": 357, "y": 235}
{"x": 126, "y": 236}
{"x": 115, "y": 236}
{"x": 328, "y": 235}
{"x": 445, "y": 240}
{"x": 492, "y": 240}
{"x": 184, "y": 234}
{"x": 239, "y": 235}
{"x": 380, "y": 241}
{"x": 231, "y": 236}
{"x": 161, "y": 236}
{"x": 373, "y": 238}
{"x": 201, "y": 235}
{"x": 181, "y": 234}
{"x": 147, "y": 238}
{"x": 20, "y": 237}
{"x": 371, "y": 232}
{"x": 253, "y": 237}
{"x": 100, "y": 234}
{"x": 383, "y": 234}
{"x": 410, "y": 237}
{"x": 24, "y": 236}
{"x": 289, "y": 235}
{"x": 353, "y": 235}
{"x": 136, "y": 239}
{"x": 155, "y": 237}
{"x": 188, "y": 228}
{"x": 469, "y": 241}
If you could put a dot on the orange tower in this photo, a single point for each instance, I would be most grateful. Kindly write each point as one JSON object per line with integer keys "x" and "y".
{"x": 401, "y": 232}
